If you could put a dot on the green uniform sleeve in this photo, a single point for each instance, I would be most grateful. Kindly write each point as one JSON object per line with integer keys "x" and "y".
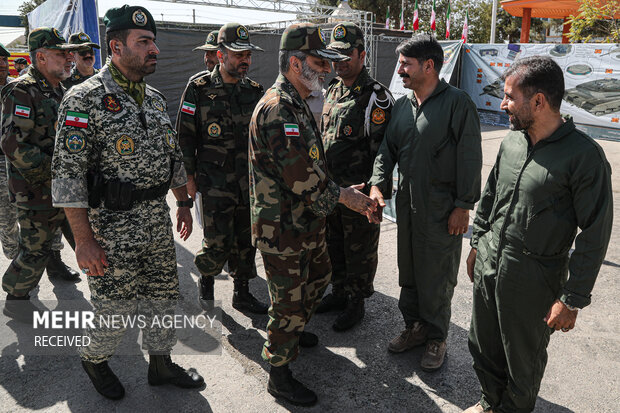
{"x": 188, "y": 127}
{"x": 481, "y": 221}
{"x": 466, "y": 128}
{"x": 385, "y": 162}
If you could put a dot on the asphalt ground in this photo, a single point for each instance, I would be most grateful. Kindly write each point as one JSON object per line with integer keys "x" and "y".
{"x": 350, "y": 371}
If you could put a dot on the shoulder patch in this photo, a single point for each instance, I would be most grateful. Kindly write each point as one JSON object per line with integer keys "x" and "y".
{"x": 125, "y": 145}
{"x": 314, "y": 152}
{"x": 111, "y": 103}
{"x": 291, "y": 129}
{"x": 378, "y": 116}
{"x": 188, "y": 108}
{"x": 22, "y": 111}
{"x": 77, "y": 119}
{"x": 157, "y": 104}
{"x": 75, "y": 142}
{"x": 214, "y": 130}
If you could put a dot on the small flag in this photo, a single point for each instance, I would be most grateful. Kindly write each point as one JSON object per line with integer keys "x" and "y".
{"x": 465, "y": 28}
{"x": 23, "y": 111}
{"x": 448, "y": 22}
{"x": 402, "y": 16}
{"x": 291, "y": 129}
{"x": 433, "y": 26}
{"x": 188, "y": 108}
{"x": 77, "y": 119}
{"x": 416, "y": 19}
{"x": 387, "y": 18}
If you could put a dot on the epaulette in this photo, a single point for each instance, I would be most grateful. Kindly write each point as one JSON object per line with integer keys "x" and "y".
{"x": 152, "y": 89}
{"x": 255, "y": 84}
{"x": 202, "y": 80}
{"x": 197, "y": 75}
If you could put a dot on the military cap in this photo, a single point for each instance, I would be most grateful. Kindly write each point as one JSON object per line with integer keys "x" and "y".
{"x": 307, "y": 38}
{"x": 3, "y": 51}
{"x": 83, "y": 39}
{"x": 345, "y": 37}
{"x": 128, "y": 17}
{"x": 236, "y": 37}
{"x": 20, "y": 61}
{"x": 211, "y": 42}
{"x": 49, "y": 38}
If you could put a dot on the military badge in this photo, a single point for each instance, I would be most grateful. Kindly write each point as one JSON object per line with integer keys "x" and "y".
{"x": 214, "y": 130}
{"x": 57, "y": 34}
{"x": 242, "y": 32}
{"x": 314, "y": 152}
{"x": 340, "y": 32}
{"x": 357, "y": 88}
{"x": 43, "y": 82}
{"x": 170, "y": 138}
{"x": 84, "y": 37}
{"x": 378, "y": 116}
{"x": 75, "y": 142}
{"x": 347, "y": 130}
{"x": 200, "y": 82}
{"x": 139, "y": 18}
{"x": 111, "y": 104}
{"x": 253, "y": 83}
{"x": 125, "y": 145}
{"x": 321, "y": 34}
{"x": 212, "y": 96}
{"x": 211, "y": 38}
{"x": 157, "y": 104}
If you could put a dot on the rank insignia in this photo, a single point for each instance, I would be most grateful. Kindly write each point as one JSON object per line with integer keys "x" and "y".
{"x": 111, "y": 104}
{"x": 157, "y": 104}
{"x": 75, "y": 142}
{"x": 347, "y": 130}
{"x": 253, "y": 83}
{"x": 214, "y": 130}
{"x": 170, "y": 138}
{"x": 378, "y": 116}
{"x": 314, "y": 152}
{"x": 212, "y": 96}
{"x": 139, "y": 18}
{"x": 125, "y": 145}
{"x": 200, "y": 82}
{"x": 357, "y": 88}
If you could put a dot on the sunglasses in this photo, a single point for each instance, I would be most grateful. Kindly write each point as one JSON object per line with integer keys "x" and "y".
{"x": 85, "y": 53}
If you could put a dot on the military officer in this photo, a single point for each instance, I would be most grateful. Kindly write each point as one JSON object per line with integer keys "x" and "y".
{"x": 290, "y": 196}
{"x": 548, "y": 180}
{"x": 355, "y": 114}
{"x": 29, "y": 112}
{"x": 434, "y": 136}
{"x": 21, "y": 65}
{"x": 114, "y": 129}
{"x": 210, "y": 48}
{"x": 84, "y": 60}
{"x": 213, "y": 123}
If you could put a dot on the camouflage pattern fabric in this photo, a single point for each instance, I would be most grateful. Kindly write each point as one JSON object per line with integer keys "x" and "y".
{"x": 213, "y": 133}
{"x": 290, "y": 192}
{"x": 296, "y": 285}
{"x": 76, "y": 78}
{"x": 9, "y": 231}
{"x": 99, "y": 126}
{"x": 353, "y": 124}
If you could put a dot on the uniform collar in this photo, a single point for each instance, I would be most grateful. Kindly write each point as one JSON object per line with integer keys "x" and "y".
{"x": 44, "y": 85}
{"x": 565, "y": 129}
{"x": 287, "y": 87}
{"x": 441, "y": 86}
{"x": 358, "y": 86}
{"x": 218, "y": 81}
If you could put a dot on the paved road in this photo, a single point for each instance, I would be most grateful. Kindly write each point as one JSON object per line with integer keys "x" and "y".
{"x": 350, "y": 371}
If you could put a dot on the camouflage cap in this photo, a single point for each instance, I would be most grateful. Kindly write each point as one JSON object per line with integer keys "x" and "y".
{"x": 3, "y": 51}
{"x": 82, "y": 39}
{"x": 210, "y": 43}
{"x": 307, "y": 38}
{"x": 345, "y": 37}
{"x": 236, "y": 37}
{"x": 49, "y": 38}
{"x": 129, "y": 17}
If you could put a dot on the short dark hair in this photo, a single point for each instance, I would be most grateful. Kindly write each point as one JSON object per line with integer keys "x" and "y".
{"x": 285, "y": 57}
{"x": 538, "y": 74}
{"x": 422, "y": 47}
{"x": 120, "y": 35}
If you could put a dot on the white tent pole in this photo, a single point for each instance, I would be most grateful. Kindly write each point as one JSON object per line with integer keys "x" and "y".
{"x": 493, "y": 21}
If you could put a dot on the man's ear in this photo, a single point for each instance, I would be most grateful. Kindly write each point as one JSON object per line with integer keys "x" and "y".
{"x": 295, "y": 64}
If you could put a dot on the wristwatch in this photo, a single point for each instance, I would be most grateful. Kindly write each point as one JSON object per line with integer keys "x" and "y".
{"x": 189, "y": 202}
{"x": 570, "y": 307}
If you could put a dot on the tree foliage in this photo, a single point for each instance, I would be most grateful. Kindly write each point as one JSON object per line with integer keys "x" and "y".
{"x": 24, "y": 9}
{"x": 595, "y": 20}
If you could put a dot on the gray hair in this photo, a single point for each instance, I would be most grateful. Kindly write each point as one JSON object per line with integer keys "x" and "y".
{"x": 33, "y": 56}
{"x": 285, "y": 58}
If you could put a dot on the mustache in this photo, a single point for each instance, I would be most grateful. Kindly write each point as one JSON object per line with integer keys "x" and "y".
{"x": 403, "y": 75}
{"x": 151, "y": 56}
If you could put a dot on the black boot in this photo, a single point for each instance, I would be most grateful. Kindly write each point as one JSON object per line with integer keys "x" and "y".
{"x": 58, "y": 269}
{"x": 205, "y": 287}
{"x": 283, "y": 385}
{"x": 307, "y": 339}
{"x": 19, "y": 308}
{"x": 353, "y": 314}
{"x": 244, "y": 300}
{"x": 104, "y": 379}
{"x": 332, "y": 302}
{"x": 163, "y": 371}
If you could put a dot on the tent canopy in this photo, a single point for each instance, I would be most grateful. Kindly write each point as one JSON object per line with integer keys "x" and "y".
{"x": 553, "y": 9}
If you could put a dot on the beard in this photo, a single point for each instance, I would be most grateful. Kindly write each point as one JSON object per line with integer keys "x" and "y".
{"x": 140, "y": 66}
{"x": 238, "y": 72}
{"x": 521, "y": 121}
{"x": 311, "y": 78}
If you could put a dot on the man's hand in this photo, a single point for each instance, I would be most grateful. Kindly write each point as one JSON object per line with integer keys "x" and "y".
{"x": 91, "y": 257}
{"x": 352, "y": 198}
{"x": 458, "y": 222}
{"x": 377, "y": 196}
{"x": 184, "y": 222}
{"x": 191, "y": 186}
{"x": 471, "y": 261}
{"x": 560, "y": 317}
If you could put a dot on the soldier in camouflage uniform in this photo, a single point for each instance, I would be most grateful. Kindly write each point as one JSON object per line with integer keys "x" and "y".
{"x": 29, "y": 112}
{"x": 355, "y": 114}
{"x": 290, "y": 196}
{"x": 210, "y": 48}
{"x": 115, "y": 130}
{"x": 213, "y": 123}
{"x": 84, "y": 60}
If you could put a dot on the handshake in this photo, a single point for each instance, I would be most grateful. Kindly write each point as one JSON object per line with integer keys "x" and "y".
{"x": 371, "y": 206}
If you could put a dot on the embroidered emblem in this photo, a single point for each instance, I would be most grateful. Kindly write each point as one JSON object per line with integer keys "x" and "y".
{"x": 242, "y": 32}
{"x": 77, "y": 119}
{"x": 157, "y": 104}
{"x": 211, "y": 38}
{"x": 75, "y": 142}
{"x": 339, "y": 32}
{"x": 347, "y": 130}
{"x": 214, "y": 130}
{"x": 111, "y": 104}
{"x": 57, "y": 34}
{"x": 321, "y": 34}
{"x": 22, "y": 111}
{"x": 84, "y": 37}
{"x": 170, "y": 138}
{"x": 188, "y": 108}
{"x": 139, "y": 18}
{"x": 314, "y": 152}
{"x": 378, "y": 116}
{"x": 291, "y": 129}
{"x": 125, "y": 145}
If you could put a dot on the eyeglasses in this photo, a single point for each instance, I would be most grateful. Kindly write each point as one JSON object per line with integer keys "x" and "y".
{"x": 85, "y": 53}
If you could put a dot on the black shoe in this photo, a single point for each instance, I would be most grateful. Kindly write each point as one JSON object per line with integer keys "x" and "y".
{"x": 205, "y": 287}
{"x": 307, "y": 339}
{"x": 163, "y": 371}
{"x": 244, "y": 300}
{"x": 352, "y": 315}
{"x": 283, "y": 385}
{"x": 19, "y": 308}
{"x": 104, "y": 379}
{"x": 332, "y": 302}
{"x": 58, "y": 269}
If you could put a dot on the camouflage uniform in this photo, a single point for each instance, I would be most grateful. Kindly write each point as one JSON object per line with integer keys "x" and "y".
{"x": 76, "y": 78}
{"x": 138, "y": 243}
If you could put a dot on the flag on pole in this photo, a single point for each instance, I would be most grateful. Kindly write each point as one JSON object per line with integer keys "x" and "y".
{"x": 402, "y": 16}
{"x": 465, "y": 28}
{"x": 387, "y": 18}
{"x": 416, "y": 19}
{"x": 448, "y": 22}
{"x": 433, "y": 26}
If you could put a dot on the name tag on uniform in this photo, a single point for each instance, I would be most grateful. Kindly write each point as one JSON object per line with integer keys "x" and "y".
{"x": 291, "y": 129}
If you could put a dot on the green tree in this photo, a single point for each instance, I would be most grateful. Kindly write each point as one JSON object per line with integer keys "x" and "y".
{"x": 26, "y": 8}
{"x": 595, "y": 20}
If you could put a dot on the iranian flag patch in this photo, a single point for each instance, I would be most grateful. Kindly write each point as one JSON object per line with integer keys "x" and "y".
{"x": 291, "y": 129}
{"x": 23, "y": 111}
{"x": 77, "y": 119}
{"x": 188, "y": 108}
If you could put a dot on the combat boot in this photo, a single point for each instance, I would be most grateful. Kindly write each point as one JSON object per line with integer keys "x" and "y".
{"x": 477, "y": 408}
{"x": 205, "y": 288}
{"x": 413, "y": 336}
{"x": 56, "y": 268}
{"x": 332, "y": 302}
{"x": 434, "y": 355}
{"x": 19, "y": 308}
{"x": 283, "y": 385}
{"x": 307, "y": 339}
{"x": 104, "y": 379}
{"x": 353, "y": 314}
{"x": 244, "y": 300}
{"x": 163, "y": 371}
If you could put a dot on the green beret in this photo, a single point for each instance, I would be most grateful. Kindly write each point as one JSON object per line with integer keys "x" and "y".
{"x": 129, "y": 17}
{"x": 307, "y": 38}
{"x": 49, "y": 38}
{"x": 3, "y": 51}
{"x": 82, "y": 39}
{"x": 345, "y": 37}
